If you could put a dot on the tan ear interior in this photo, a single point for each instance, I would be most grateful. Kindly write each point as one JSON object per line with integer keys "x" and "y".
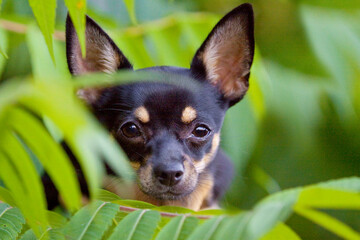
{"x": 227, "y": 57}
{"x": 100, "y": 54}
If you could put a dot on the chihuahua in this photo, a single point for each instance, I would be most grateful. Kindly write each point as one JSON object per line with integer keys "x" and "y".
{"x": 171, "y": 131}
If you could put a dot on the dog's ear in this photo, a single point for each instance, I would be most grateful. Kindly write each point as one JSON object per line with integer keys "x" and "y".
{"x": 102, "y": 55}
{"x": 225, "y": 57}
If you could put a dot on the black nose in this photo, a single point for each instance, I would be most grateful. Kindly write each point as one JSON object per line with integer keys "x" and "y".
{"x": 169, "y": 175}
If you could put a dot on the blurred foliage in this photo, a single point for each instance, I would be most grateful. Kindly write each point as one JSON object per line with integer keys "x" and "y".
{"x": 299, "y": 123}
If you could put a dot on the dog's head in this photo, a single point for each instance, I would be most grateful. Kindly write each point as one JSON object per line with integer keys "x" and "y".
{"x": 169, "y": 129}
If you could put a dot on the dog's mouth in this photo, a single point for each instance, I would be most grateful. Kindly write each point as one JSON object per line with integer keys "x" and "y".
{"x": 169, "y": 195}
{"x": 165, "y": 194}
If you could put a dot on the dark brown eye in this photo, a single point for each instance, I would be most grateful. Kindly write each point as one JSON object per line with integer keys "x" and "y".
{"x": 130, "y": 130}
{"x": 201, "y": 131}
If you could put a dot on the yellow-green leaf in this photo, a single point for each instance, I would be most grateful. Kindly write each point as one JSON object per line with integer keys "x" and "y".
{"x": 44, "y": 11}
{"x": 281, "y": 232}
{"x": 331, "y": 224}
{"x": 77, "y": 11}
{"x": 3, "y": 47}
{"x": 317, "y": 197}
{"x": 130, "y": 6}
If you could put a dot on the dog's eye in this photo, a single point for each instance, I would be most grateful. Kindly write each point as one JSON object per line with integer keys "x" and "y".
{"x": 130, "y": 130}
{"x": 201, "y": 131}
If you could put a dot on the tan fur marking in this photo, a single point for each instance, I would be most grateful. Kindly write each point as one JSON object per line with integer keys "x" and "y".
{"x": 188, "y": 115}
{"x": 135, "y": 165}
{"x": 142, "y": 114}
{"x": 201, "y": 165}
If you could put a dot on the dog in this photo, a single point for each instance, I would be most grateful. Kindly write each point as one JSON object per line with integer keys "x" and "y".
{"x": 171, "y": 132}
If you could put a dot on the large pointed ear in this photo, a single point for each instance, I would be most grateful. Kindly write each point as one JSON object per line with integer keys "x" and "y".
{"x": 102, "y": 55}
{"x": 225, "y": 57}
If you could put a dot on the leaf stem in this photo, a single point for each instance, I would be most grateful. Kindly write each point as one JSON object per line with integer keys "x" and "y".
{"x": 164, "y": 214}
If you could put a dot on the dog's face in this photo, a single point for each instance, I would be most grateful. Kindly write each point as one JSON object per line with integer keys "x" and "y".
{"x": 169, "y": 129}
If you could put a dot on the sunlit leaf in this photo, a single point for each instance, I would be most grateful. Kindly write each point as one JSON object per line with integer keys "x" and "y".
{"x": 58, "y": 167}
{"x": 29, "y": 194}
{"x": 6, "y": 196}
{"x": 3, "y": 47}
{"x": 42, "y": 67}
{"x": 328, "y": 222}
{"x": 281, "y": 232}
{"x": 77, "y": 11}
{"x": 317, "y": 197}
{"x": 130, "y": 6}
{"x": 44, "y": 11}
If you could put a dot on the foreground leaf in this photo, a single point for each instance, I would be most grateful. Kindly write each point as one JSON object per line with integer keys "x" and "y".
{"x": 331, "y": 224}
{"x": 138, "y": 225}
{"x": 44, "y": 11}
{"x": 58, "y": 166}
{"x": 207, "y": 230}
{"x": 281, "y": 232}
{"x": 91, "y": 221}
{"x": 11, "y": 222}
{"x": 77, "y": 10}
{"x": 178, "y": 228}
{"x": 130, "y": 6}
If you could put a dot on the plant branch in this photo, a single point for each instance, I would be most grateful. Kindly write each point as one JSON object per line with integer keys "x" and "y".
{"x": 164, "y": 214}
{"x": 22, "y": 29}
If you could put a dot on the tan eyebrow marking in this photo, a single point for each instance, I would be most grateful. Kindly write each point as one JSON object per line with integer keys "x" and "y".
{"x": 188, "y": 115}
{"x": 142, "y": 114}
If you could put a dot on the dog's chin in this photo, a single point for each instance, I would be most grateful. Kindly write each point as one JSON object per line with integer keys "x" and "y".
{"x": 166, "y": 195}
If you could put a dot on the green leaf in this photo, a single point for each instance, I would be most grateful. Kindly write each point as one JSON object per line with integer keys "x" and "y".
{"x": 11, "y": 222}
{"x": 135, "y": 204}
{"x": 166, "y": 38}
{"x": 348, "y": 4}
{"x": 28, "y": 235}
{"x": 174, "y": 209}
{"x": 3, "y": 47}
{"x": 331, "y": 224}
{"x": 49, "y": 234}
{"x": 77, "y": 10}
{"x": 266, "y": 215}
{"x": 130, "y": 6}
{"x": 281, "y": 232}
{"x": 138, "y": 225}
{"x": 207, "y": 230}
{"x": 59, "y": 167}
{"x": 106, "y": 196}
{"x": 318, "y": 197}
{"x": 43, "y": 67}
{"x": 178, "y": 228}
{"x": 232, "y": 228}
{"x": 132, "y": 43}
{"x": 6, "y": 196}
{"x": 91, "y": 221}
{"x": 20, "y": 177}
{"x": 56, "y": 220}
{"x": 44, "y": 11}
{"x": 350, "y": 184}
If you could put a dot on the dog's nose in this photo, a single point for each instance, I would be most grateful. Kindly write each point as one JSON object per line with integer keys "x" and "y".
{"x": 169, "y": 175}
